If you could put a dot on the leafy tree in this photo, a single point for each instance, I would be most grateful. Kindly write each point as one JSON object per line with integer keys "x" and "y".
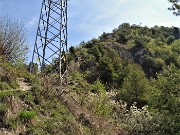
{"x": 109, "y": 68}
{"x": 170, "y": 39}
{"x": 122, "y": 33}
{"x": 176, "y": 47}
{"x": 165, "y": 99}
{"x": 106, "y": 70}
{"x": 135, "y": 86}
{"x": 13, "y": 42}
{"x": 175, "y": 7}
{"x": 72, "y": 53}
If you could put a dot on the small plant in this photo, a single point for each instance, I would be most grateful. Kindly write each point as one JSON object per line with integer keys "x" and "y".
{"x": 36, "y": 87}
{"x": 98, "y": 87}
{"x": 102, "y": 107}
{"x": 4, "y": 86}
{"x": 4, "y": 94}
{"x": 13, "y": 84}
{"x": 12, "y": 123}
{"x": 27, "y": 115}
{"x": 3, "y": 107}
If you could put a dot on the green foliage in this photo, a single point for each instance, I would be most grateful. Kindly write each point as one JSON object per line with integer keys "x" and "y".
{"x": 72, "y": 54}
{"x": 3, "y": 107}
{"x": 8, "y": 72}
{"x": 106, "y": 70}
{"x": 109, "y": 67}
{"x": 13, "y": 84}
{"x": 125, "y": 60}
{"x": 159, "y": 63}
{"x": 175, "y": 7}
{"x": 135, "y": 86}
{"x": 141, "y": 122}
{"x": 166, "y": 98}
{"x": 48, "y": 68}
{"x": 58, "y": 124}
{"x": 98, "y": 87}
{"x": 37, "y": 87}
{"x": 122, "y": 61}
{"x": 12, "y": 123}
{"x": 27, "y": 115}
{"x": 101, "y": 105}
{"x": 139, "y": 41}
{"x": 4, "y": 86}
{"x": 4, "y": 94}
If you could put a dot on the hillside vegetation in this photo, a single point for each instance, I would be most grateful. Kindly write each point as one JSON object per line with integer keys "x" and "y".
{"x": 126, "y": 82}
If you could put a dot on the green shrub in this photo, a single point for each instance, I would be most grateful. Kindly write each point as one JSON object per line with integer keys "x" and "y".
{"x": 4, "y": 86}
{"x": 165, "y": 99}
{"x": 3, "y": 107}
{"x": 12, "y": 123}
{"x": 29, "y": 97}
{"x": 98, "y": 87}
{"x": 4, "y": 94}
{"x": 37, "y": 87}
{"x": 102, "y": 107}
{"x": 159, "y": 62}
{"x": 27, "y": 115}
{"x": 141, "y": 122}
{"x": 14, "y": 84}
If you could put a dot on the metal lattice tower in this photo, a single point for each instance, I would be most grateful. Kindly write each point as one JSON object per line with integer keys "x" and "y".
{"x": 51, "y": 37}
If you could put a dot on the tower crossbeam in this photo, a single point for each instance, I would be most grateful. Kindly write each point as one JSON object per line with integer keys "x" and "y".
{"x": 51, "y": 37}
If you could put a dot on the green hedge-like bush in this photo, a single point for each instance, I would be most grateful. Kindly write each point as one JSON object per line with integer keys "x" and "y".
{"x": 27, "y": 115}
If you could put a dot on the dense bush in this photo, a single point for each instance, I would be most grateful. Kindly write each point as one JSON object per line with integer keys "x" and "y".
{"x": 101, "y": 104}
{"x": 165, "y": 98}
{"x": 135, "y": 86}
{"x": 141, "y": 122}
{"x": 27, "y": 115}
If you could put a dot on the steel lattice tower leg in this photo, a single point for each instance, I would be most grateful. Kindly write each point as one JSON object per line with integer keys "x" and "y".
{"x": 51, "y": 37}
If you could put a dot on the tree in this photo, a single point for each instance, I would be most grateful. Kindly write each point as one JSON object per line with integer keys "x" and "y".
{"x": 135, "y": 86}
{"x": 166, "y": 99}
{"x": 13, "y": 41}
{"x": 175, "y": 7}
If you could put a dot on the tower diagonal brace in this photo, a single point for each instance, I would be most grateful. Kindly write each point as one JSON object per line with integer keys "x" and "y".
{"x": 50, "y": 46}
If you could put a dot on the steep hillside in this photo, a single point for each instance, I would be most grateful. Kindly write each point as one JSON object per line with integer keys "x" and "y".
{"x": 136, "y": 64}
{"x": 32, "y": 106}
{"x": 152, "y": 48}
{"x": 123, "y": 83}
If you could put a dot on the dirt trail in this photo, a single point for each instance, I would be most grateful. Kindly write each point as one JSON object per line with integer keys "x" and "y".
{"x": 23, "y": 86}
{"x": 4, "y": 132}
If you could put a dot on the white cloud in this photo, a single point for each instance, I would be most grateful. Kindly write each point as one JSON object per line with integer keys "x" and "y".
{"x": 112, "y": 13}
{"x": 32, "y": 22}
{"x": 88, "y": 19}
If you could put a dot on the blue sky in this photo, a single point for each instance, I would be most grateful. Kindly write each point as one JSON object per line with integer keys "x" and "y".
{"x": 90, "y": 18}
